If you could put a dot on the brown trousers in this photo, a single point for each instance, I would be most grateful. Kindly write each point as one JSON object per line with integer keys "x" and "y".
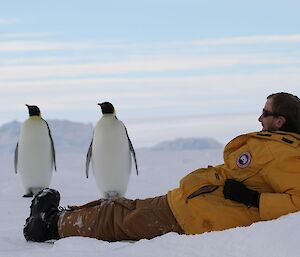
{"x": 119, "y": 219}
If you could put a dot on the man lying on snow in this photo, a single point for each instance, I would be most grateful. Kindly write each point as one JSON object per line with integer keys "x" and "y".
{"x": 259, "y": 180}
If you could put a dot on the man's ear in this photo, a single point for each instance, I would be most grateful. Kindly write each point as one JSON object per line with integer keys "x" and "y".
{"x": 280, "y": 121}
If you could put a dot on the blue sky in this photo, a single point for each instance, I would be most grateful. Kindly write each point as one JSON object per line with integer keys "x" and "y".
{"x": 151, "y": 59}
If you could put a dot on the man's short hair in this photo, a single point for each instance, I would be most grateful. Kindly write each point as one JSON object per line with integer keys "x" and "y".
{"x": 288, "y": 106}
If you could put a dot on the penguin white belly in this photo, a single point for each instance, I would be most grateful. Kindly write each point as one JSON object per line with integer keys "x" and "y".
{"x": 35, "y": 161}
{"x": 111, "y": 159}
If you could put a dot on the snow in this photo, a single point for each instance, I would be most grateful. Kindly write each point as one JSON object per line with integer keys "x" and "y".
{"x": 159, "y": 172}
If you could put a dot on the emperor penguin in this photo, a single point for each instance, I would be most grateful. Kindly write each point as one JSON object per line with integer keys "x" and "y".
{"x": 35, "y": 153}
{"x": 110, "y": 153}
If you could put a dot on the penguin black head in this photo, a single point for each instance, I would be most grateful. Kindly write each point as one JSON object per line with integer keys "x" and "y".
{"x": 33, "y": 110}
{"x": 107, "y": 108}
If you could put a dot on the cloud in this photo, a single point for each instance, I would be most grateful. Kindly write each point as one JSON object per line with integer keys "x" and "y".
{"x": 8, "y": 21}
{"x": 108, "y": 58}
{"x": 29, "y": 35}
{"x": 139, "y": 66}
{"x": 250, "y": 40}
{"x": 162, "y": 79}
{"x": 164, "y": 95}
{"x": 17, "y": 45}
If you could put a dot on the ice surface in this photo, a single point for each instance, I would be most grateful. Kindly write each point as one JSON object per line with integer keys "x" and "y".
{"x": 159, "y": 172}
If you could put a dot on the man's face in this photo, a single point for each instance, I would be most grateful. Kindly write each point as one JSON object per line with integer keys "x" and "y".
{"x": 268, "y": 121}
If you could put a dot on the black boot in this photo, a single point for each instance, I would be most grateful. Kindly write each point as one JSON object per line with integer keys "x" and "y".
{"x": 41, "y": 225}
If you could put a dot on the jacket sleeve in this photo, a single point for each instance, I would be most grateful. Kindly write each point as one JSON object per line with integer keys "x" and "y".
{"x": 284, "y": 178}
{"x": 210, "y": 176}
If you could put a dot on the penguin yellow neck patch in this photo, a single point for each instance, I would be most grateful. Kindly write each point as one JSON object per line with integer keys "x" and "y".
{"x": 243, "y": 160}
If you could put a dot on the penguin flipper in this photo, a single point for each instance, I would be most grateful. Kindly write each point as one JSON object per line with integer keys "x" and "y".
{"x": 52, "y": 145}
{"x": 88, "y": 159}
{"x": 132, "y": 150}
{"x": 16, "y": 157}
{"x": 53, "y": 151}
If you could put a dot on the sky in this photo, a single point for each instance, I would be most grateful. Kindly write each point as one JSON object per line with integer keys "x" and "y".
{"x": 154, "y": 60}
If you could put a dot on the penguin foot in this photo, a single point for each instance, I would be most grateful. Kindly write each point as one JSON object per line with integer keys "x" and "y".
{"x": 111, "y": 194}
{"x": 28, "y": 195}
{"x": 36, "y": 190}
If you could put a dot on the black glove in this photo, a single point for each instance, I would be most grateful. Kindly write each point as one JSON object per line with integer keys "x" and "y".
{"x": 237, "y": 191}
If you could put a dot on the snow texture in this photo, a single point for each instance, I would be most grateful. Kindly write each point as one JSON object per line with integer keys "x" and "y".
{"x": 159, "y": 172}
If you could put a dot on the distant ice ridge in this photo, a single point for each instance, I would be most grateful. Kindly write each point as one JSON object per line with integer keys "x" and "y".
{"x": 67, "y": 135}
{"x": 188, "y": 144}
{"x": 9, "y": 134}
{"x": 73, "y": 137}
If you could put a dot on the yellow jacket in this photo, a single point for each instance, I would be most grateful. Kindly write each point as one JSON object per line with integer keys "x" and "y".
{"x": 268, "y": 162}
